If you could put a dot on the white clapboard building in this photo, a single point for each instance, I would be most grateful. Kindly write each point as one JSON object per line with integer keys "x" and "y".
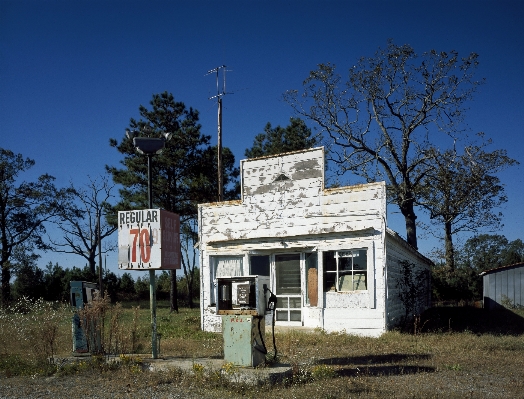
{"x": 333, "y": 263}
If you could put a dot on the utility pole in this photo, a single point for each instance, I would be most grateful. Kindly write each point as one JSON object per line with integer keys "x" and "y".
{"x": 220, "y": 94}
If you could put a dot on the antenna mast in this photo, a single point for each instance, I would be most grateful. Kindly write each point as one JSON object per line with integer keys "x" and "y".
{"x": 220, "y": 94}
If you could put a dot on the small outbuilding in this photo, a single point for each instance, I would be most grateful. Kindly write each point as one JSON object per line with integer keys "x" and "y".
{"x": 330, "y": 258}
{"x": 503, "y": 286}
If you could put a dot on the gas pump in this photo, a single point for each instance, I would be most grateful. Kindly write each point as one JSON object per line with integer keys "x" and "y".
{"x": 82, "y": 293}
{"x": 242, "y": 304}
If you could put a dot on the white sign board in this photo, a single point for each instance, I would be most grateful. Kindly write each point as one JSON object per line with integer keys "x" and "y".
{"x": 148, "y": 239}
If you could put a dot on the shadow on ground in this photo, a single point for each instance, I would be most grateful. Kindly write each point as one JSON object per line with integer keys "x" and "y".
{"x": 374, "y": 359}
{"x": 478, "y": 321}
{"x": 378, "y": 365}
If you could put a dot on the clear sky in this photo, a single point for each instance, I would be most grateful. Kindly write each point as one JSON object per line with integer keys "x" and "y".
{"x": 72, "y": 73}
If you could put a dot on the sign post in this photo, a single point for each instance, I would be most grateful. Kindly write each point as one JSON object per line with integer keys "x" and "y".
{"x": 149, "y": 239}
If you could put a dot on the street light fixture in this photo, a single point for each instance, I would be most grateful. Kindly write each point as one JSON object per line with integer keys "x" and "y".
{"x": 150, "y": 146}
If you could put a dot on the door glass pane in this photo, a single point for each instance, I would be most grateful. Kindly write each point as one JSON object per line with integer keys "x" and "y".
{"x": 294, "y": 315}
{"x": 282, "y": 302}
{"x": 287, "y": 269}
{"x": 295, "y": 303}
{"x": 281, "y": 315}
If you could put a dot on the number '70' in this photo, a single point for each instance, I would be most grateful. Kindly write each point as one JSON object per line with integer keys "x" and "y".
{"x": 143, "y": 238}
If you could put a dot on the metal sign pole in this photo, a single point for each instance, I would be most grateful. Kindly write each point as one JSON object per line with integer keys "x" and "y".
{"x": 152, "y": 285}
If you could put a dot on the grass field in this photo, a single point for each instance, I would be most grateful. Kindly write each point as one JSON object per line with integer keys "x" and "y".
{"x": 454, "y": 353}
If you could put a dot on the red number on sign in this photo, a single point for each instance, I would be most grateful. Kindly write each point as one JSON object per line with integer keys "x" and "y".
{"x": 145, "y": 251}
{"x": 134, "y": 233}
{"x": 143, "y": 244}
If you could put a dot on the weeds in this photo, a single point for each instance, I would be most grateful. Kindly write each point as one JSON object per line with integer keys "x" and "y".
{"x": 324, "y": 365}
{"x": 32, "y": 327}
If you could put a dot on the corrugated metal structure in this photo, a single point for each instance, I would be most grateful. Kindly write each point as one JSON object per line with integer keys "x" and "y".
{"x": 332, "y": 261}
{"x": 504, "y": 286}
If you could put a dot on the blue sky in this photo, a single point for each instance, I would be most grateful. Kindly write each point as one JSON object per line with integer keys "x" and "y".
{"x": 72, "y": 73}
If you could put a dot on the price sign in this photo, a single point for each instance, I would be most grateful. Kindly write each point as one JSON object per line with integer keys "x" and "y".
{"x": 148, "y": 239}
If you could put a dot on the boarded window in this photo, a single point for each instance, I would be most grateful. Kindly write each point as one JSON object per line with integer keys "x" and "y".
{"x": 312, "y": 279}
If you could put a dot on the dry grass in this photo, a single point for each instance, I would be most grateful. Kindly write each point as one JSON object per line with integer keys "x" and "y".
{"x": 457, "y": 353}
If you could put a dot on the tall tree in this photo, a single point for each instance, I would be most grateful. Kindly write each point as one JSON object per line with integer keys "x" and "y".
{"x": 183, "y": 172}
{"x": 479, "y": 253}
{"x": 29, "y": 278}
{"x": 489, "y": 251}
{"x": 295, "y": 136}
{"x": 461, "y": 192}
{"x": 86, "y": 225}
{"x": 25, "y": 207}
{"x": 388, "y": 114}
{"x": 514, "y": 252}
{"x": 189, "y": 258}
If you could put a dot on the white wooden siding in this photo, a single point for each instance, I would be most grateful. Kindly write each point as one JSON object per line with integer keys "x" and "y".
{"x": 397, "y": 251}
{"x": 284, "y": 209}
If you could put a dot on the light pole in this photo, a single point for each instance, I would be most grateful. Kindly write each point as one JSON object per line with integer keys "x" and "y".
{"x": 150, "y": 146}
{"x": 99, "y": 243}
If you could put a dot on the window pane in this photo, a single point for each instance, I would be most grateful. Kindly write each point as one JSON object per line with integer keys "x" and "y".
{"x": 287, "y": 274}
{"x": 330, "y": 263}
{"x": 360, "y": 260}
{"x": 345, "y": 283}
{"x": 359, "y": 281}
{"x": 294, "y": 315}
{"x": 330, "y": 268}
{"x": 345, "y": 264}
{"x": 259, "y": 265}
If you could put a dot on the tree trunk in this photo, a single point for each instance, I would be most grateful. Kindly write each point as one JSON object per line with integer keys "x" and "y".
{"x": 450, "y": 251}
{"x": 6, "y": 287}
{"x": 408, "y": 211}
{"x": 189, "y": 283}
{"x": 173, "y": 294}
{"x": 92, "y": 265}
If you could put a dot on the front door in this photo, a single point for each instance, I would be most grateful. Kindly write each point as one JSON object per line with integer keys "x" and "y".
{"x": 287, "y": 288}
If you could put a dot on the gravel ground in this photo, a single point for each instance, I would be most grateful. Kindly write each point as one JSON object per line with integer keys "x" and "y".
{"x": 443, "y": 385}
{"x": 71, "y": 387}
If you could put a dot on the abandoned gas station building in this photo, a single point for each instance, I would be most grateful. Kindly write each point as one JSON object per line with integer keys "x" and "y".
{"x": 331, "y": 260}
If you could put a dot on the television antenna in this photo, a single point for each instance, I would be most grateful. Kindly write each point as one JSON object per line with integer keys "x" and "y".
{"x": 219, "y": 95}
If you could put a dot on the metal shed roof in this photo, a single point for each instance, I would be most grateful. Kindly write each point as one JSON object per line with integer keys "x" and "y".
{"x": 501, "y": 268}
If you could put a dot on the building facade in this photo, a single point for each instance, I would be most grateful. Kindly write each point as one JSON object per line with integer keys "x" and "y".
{"x": 333, "y": 263}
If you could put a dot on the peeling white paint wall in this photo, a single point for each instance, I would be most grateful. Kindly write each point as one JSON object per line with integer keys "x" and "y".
{"x": 285, "y": 209}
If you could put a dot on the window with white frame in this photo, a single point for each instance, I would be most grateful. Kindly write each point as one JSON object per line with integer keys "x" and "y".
{"x": 345, "y": 270}
{"x": 224, "y": 266}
